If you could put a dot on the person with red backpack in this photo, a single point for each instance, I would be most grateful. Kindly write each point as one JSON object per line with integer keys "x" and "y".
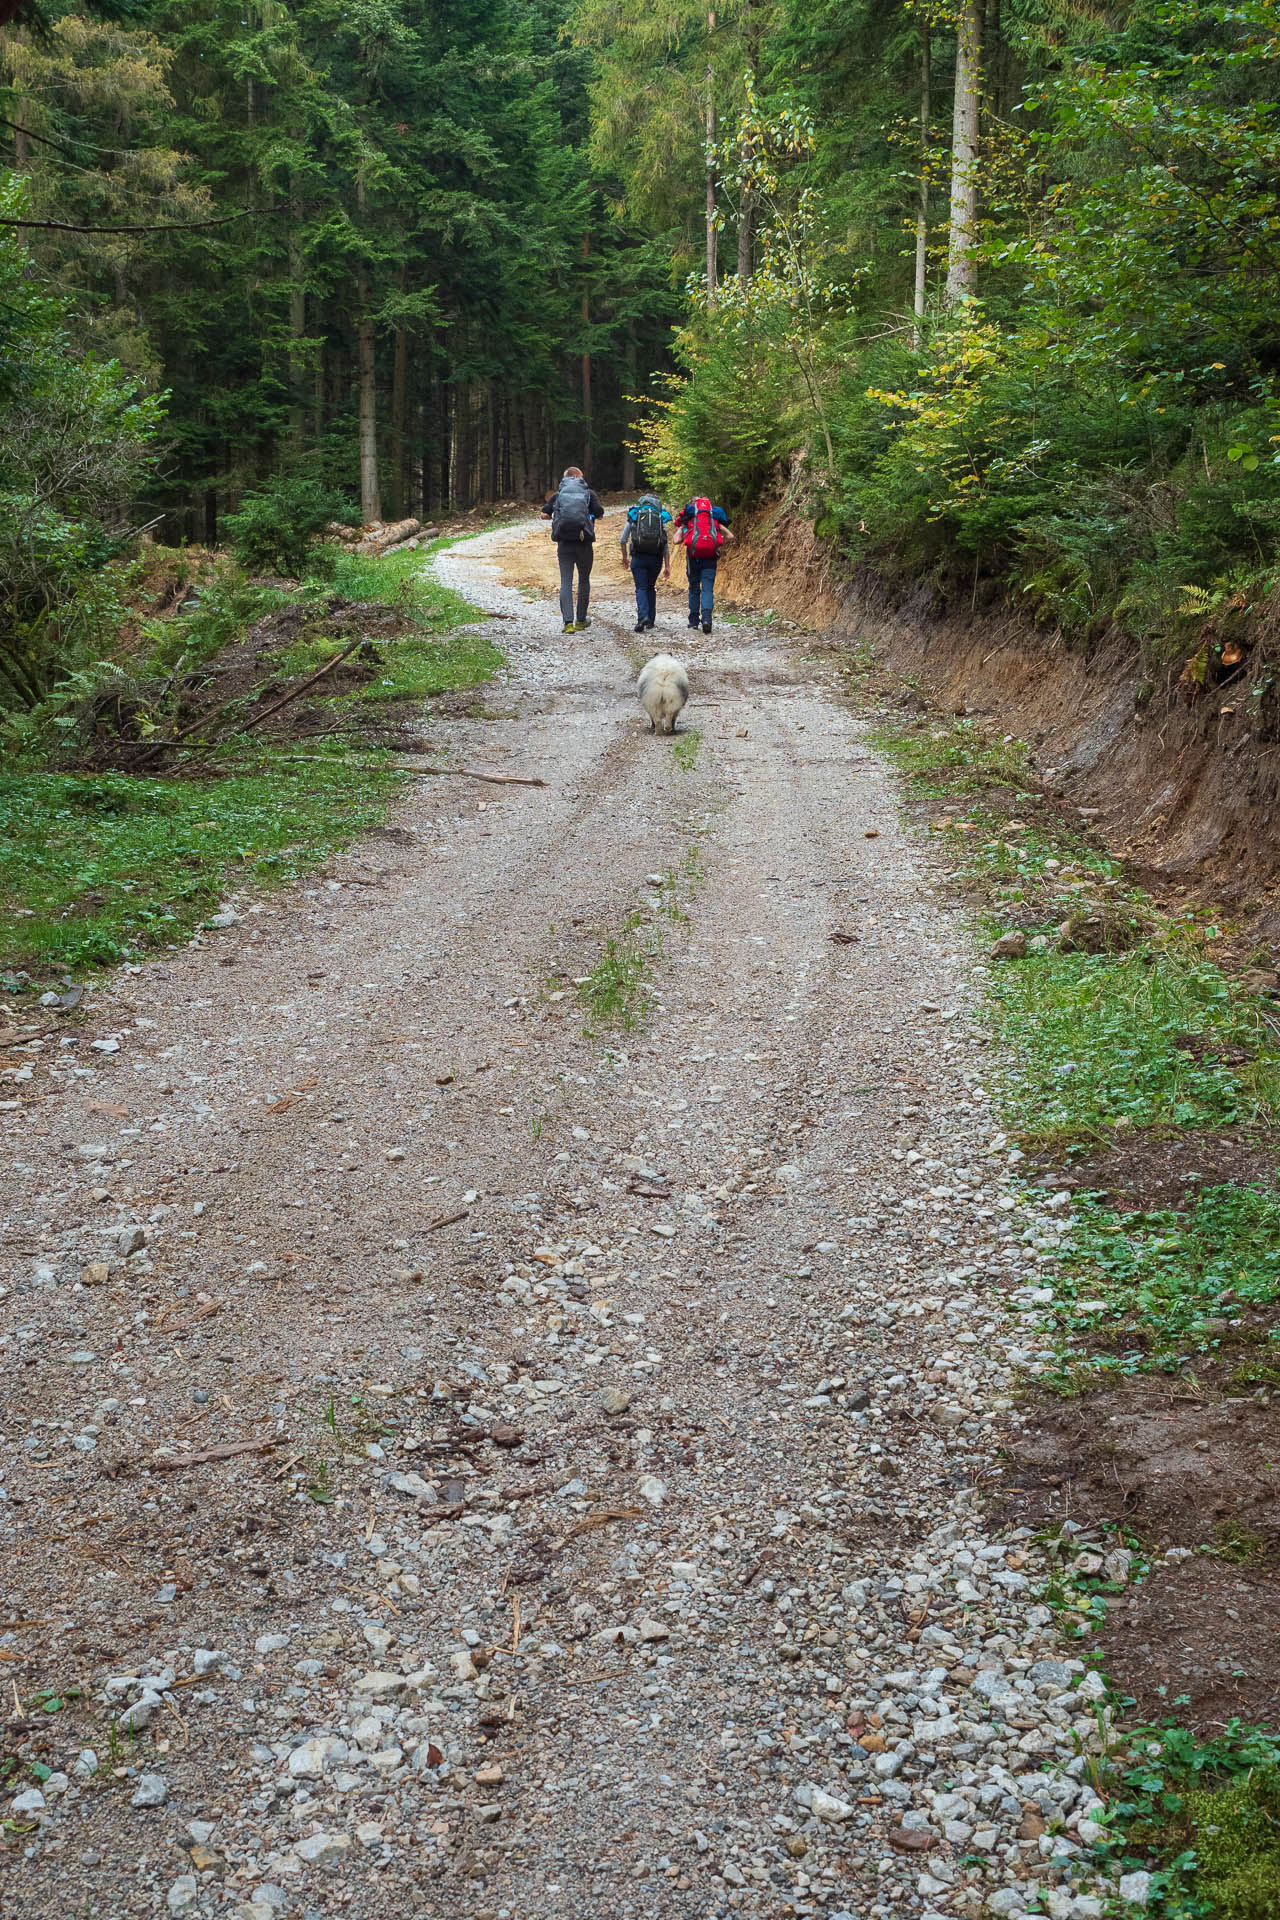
{"x": 704, "y": 530}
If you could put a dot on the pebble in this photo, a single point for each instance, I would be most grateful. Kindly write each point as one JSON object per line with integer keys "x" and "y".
{"x": 152, "y": 1791}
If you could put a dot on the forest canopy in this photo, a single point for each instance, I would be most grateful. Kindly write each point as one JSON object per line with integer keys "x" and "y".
{"x": 989, "y": 289}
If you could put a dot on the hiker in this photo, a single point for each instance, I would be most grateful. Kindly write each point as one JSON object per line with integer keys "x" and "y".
{"x": 645, "y": 533}
{"x": 573, "y": 510}
{"x": 703, "y": 529}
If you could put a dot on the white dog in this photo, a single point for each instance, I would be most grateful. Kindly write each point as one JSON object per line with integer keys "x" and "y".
{"x": 663, "y": 687}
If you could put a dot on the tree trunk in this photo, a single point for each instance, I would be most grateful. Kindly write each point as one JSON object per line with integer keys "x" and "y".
{"x": 587, "y": 421}
{"x": 962, "y": 263}
{"x": 297, "y": 325}
{"x": 399, "y": 410}
{"x": 711, "y": 168}
{"x": 370, "y": 495}
{"x": 922, "y": 215}
{"x": 628, "y": 452}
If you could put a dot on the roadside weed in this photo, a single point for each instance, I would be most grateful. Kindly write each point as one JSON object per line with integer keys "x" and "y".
{"x": 685, "y": 750}
{"x": 95, "y": 868}
{"x": 1201, "y": 1816}
{"x": 960, "y": 751}
{"x": 1155, "y": 1287}
{"x": 1153, "y": 1037}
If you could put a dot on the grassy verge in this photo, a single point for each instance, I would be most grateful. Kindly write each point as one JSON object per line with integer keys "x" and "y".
{"x": 1140, "y": 1044}
{"x": 97, "y": 868}
{"x": 94, "y": 870}
{"x": 432, "y": 657}
{"x": 1133, "y": 1045}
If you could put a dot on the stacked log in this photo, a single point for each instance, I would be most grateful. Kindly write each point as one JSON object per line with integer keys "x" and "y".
{"x": 381, "y": 536}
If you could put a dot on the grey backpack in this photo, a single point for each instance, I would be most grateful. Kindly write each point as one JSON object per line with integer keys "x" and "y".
{"x": 571, "y": 515}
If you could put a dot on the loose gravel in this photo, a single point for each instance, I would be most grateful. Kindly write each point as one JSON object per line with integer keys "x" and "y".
{"x": 475, "y": 1465}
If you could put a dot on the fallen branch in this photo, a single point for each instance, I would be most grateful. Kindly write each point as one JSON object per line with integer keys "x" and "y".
{"x": 257, "y": 719}
{"x": 173, "y": 1462}
{"x": 448, "y": 1220}
{"x": 601, "y": 1518}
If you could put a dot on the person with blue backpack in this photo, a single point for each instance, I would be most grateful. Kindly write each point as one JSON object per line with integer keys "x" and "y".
{"x": 573, "y": 510}
{"x": 704, "y": 529}
{"x": 645, "y": 534}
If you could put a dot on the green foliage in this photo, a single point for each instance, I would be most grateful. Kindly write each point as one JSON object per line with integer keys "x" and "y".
{"x": 1202, "y": 1817}
{"x": 75, "y": 440}
{"x": 93, "y": 870}
{"x": 1237, "y": 1846}
{"x": 1097, "y": 1041}
{"x": 1160, "y": 1286}
{"x": 724, "y": 428}
{"x": 275, "y": 527}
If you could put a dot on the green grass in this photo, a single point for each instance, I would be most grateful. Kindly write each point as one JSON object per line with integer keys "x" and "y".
{"x": 433, "y": 659}
{"x": 685, "y": 750}
{"x": 616, "y": 991}
{"x": 955, "y": 756}
{"x": 94, "y": 870}
{"x": 1171, "y": 1284}
{"x": 1109, "y": 1048}
{"x": 1094, "y": 1039}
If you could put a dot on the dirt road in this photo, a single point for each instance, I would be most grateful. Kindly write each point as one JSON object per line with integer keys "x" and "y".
{"x": 477, "y": 1459}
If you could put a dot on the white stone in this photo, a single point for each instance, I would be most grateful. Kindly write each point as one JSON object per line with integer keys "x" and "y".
{"x": 322, "y": 1849}
{"x": 1135, "y": 1888}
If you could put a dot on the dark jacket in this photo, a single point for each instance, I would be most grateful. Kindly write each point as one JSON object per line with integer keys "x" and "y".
{"x": 594, "y": 508}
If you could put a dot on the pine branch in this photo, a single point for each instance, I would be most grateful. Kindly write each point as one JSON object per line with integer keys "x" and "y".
{"x": 167, "y": 226}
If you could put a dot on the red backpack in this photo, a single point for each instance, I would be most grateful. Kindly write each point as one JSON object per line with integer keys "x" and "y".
{"x": 705, "y": 532}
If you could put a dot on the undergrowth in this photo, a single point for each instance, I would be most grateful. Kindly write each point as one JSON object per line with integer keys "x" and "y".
{"x": 96, "y": 867}
{"x": 1145, "y": 1039}
{"x": 1202, "y": 1817}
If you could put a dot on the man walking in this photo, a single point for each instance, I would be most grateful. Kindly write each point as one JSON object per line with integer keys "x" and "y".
{"x": 645, "y": 533}
{"x": 573, "y": 510}
{"x": 703, "y": 529}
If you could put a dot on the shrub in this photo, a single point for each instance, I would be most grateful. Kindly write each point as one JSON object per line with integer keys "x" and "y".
{"x": 275, "y": 528}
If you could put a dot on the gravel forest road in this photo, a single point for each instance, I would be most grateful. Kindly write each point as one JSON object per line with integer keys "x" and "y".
{"x": 475, "y": 1465}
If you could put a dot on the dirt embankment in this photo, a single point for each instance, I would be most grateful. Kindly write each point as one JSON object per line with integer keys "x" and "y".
{"x": 1180, "y": 768}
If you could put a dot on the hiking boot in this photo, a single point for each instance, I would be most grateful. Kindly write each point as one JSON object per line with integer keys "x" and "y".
{"x": 706, "y": 626}
{"x": 582, "y": 626}
{"x": 693, "y": 626}
{"x": 641, "y": 626}
{"x": 569, "y": 626}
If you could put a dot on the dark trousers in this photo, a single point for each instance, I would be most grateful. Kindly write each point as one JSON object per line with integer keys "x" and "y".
{"x": 645, "y": 568}
{"x": 702, "y": 587}
{"x": 574, "y": 553}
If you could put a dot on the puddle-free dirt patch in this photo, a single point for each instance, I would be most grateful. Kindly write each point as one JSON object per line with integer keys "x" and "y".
{"x": 1151, "y": 1173}
{"x": 1201, "y": 1642}
{"x": 1177, "y": 1466}
{"x": 1178, "y": 1469}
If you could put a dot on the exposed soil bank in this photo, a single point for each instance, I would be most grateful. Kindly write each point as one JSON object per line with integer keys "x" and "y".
{"x": 1186, "y": 785}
